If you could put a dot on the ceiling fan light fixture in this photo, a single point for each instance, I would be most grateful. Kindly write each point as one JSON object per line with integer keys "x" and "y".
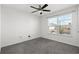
{"x": 40, "y": 12}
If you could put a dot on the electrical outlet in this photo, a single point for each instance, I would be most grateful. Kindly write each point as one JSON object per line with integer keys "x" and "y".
{"x": 29, "y": 36}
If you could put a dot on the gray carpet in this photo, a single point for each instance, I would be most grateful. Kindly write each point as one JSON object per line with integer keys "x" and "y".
{"x": 40, "y": 46}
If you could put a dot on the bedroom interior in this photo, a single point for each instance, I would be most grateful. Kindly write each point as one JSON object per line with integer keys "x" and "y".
{"x": 39, "y": 28}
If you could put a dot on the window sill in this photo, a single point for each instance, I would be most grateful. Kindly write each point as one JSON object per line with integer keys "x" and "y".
{"x": 64, "y": 35}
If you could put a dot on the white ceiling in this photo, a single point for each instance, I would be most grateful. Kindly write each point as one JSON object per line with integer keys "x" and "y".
{"x": 27, "y": 8}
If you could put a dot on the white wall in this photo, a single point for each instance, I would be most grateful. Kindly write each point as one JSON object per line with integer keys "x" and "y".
{"x": 72, "y": 39}
{"x": 78, "y": 24}
{"x": 17, "y": 25}
{"x": 0, "y": 27}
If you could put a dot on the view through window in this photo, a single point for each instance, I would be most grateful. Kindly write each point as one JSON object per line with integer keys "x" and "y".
{"x": 60, "y": 24}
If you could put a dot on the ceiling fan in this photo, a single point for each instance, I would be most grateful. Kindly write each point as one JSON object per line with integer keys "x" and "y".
{"x": 40, "y": 9}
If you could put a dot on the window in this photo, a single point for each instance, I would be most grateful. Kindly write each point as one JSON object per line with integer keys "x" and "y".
{"x": 60, "y": 24}
{"x": 52, "y": 23}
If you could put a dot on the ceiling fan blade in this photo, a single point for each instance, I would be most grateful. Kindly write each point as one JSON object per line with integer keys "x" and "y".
{"x": 44, "y": 6}
{"x": 47, "y": 10}
{"x": 34, "y": 7}
{"x": 34, "y": 11}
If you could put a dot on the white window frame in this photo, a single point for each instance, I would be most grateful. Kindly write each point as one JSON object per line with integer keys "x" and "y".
{"x": 69, "y": 35}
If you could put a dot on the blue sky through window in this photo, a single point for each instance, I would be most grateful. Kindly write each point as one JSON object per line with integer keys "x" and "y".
{"x": 52, "y": 20}
{"x": 62, "y": 20}
{"x": 65, "y": 20}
